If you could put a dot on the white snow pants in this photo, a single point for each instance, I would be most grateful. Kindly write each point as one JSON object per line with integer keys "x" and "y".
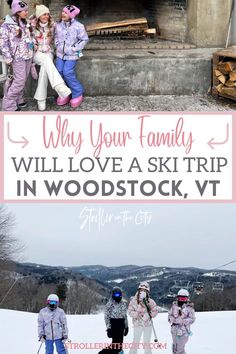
{"x": 48, "y": 71}
{"x": 138, "y": 332}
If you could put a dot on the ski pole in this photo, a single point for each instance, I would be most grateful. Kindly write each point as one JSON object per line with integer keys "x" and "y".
{"x": 65, "y": 346}
{"x": 154, "y": 331}
{"x": 153, "y": 328}
{"x": 40, "y": 347}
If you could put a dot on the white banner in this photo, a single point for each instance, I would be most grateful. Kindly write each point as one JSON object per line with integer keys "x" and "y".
{"x": 118, "y": 157}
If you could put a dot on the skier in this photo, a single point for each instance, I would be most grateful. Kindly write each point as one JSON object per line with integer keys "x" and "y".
{"x": 116, "y": 321}
{"x": 181, "y": 316}
{"x": 52, "y": 325}
{"x": 142, "y": 308}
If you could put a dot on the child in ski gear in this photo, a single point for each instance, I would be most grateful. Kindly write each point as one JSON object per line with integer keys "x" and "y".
{"x": 142, "y": 309}
{"x": 116, "y": 321}
{"x": 52, "y": 325}
{"x": 70, "y": 39}
{"x": 44, "y": 27}
{"x": 16, "y": 44}
{"x": 181, "y": 316}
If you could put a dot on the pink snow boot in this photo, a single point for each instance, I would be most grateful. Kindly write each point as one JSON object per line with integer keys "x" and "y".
{"x": 63, "y": 101}
{"x": 76, "y": 102}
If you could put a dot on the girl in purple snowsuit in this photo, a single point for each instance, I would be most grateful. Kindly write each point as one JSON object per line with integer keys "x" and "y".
{"x": 70, "y": 39}
{"x": 52, "y": 326}
{"x": 16, "y": 45}
{"x": 181, "y": 316}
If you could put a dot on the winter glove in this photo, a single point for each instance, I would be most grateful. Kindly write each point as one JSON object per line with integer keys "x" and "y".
{"x": 65, "y": 337}
{"x": 8, "y": 61}
{"x": 109, "y": 333}
{"x": 79, "y": 53}
{"x": 42, "y": 338}
{"x": 126, "y": 331}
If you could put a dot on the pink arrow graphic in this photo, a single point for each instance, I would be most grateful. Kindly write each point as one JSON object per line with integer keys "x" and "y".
{"x": 212, "y": 142}
{"x": 24, "y": 141}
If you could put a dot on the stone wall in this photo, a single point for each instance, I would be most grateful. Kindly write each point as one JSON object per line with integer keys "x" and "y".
{"x": 172, "y": 19}
{"x": 208, "y": 22}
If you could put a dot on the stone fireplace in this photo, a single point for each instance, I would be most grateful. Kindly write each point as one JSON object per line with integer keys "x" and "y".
{"x": 169, "y": 16}
{"x": 200, "y": 22}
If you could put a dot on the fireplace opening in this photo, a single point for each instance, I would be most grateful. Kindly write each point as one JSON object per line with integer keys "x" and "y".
{"x": 168, "y": 17}
{"x": 94, "y": 11}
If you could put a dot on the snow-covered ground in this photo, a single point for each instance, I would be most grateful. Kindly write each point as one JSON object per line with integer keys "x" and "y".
{"x": 213, "y": 333}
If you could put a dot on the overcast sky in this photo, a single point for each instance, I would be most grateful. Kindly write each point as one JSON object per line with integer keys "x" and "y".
{"x": 199, "y": 235}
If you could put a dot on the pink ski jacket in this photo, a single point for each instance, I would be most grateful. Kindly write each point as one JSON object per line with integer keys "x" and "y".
{"x": 139, "y": 312}
{"x": 43, "y": 36}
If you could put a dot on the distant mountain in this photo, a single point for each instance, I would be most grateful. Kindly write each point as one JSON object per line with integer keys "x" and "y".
{"x": 164, "y": 281}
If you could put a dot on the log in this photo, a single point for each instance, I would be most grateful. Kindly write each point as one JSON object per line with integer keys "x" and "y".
{"x": 232, "y": 76}
{"x": 219, "y": 88}
{"x": 221, "y": 68}
{"x": 150, "y": 31}
{"x": 222, "y": 78}
{"x": 217, "y": 73}
{"x": 130, "y": 28}
{"x": 230, "y": 91}
{"x": 230, "y": 66}
{"x": 226, "y": 67}
{"x": 123, "y": 23}
{"x": 229, "y": 83}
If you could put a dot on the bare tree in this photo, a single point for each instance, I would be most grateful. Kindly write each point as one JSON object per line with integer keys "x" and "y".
{"x": 10, "y": 247}
{"x": 10, "y": 250}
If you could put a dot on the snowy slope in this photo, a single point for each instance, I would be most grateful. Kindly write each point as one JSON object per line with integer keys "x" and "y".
{"x": 214, "y": 333}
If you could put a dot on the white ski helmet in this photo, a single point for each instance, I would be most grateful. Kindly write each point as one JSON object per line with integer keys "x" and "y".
{"x": 183, "y": 292}
{"x": 53, "y": 297}
{"x": 144, "y": 285}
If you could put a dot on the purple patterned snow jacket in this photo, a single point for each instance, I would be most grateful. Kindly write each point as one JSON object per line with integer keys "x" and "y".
{"x": 52, "y": 324}
{"x": 13, "y": 47}
{"x": 70, "y": 37}
{"x": 181, "y": 318}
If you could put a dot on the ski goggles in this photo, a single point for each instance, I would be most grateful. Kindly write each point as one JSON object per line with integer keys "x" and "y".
{"x": 183, "y": 298}
{"x": 117, "y": 294}
{"x": 143, "y": 287}
{"x": 52, "y": 302}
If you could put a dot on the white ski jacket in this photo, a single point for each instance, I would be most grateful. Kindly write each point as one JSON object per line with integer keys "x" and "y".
{"x": 52, "y": 324}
